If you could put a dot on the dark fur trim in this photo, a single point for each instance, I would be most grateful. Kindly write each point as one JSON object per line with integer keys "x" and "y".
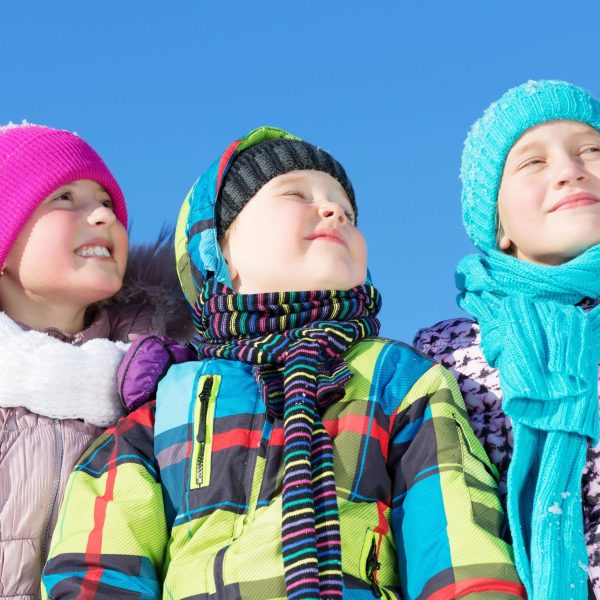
{"x": 151, "y": 278}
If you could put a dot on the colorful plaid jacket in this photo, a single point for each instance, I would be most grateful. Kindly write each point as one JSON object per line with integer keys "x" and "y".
{"x": 182, "y": 498}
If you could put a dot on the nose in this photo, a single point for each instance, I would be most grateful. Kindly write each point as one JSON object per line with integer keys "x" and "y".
{"x": 570, "y": 171}
{"x": 101, "y": 215}
{"x": 332, "y": 210}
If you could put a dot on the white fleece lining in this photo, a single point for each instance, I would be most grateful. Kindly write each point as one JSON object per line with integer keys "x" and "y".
{"x": 55, "y": 379}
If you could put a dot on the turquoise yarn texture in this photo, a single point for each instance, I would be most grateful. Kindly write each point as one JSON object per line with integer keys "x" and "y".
{"x": 546, "y": 349}
{"x": 492, "y": 136}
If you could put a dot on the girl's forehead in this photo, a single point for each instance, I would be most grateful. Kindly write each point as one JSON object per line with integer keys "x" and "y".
{"x": 552, "y": 131}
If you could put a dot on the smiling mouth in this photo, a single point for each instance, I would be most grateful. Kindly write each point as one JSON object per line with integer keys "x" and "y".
{"x": 575, "y": 201}
{"x": 93, "y": 251}
{"x": 330, "y": 236}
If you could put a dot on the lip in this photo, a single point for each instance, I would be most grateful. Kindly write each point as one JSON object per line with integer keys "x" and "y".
{"x": 328, "y": 234}
{"x": 575, "y": 201}
{"x": 96, "y": 242}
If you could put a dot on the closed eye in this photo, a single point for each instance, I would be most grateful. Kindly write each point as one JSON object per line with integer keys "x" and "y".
{"x": 530, "y": 162}
{"x": 295, "y": 193}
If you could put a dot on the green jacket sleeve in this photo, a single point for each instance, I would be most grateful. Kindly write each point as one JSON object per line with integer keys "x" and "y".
{"x": 111, "y": 534}
{"x": 446, "y": 516}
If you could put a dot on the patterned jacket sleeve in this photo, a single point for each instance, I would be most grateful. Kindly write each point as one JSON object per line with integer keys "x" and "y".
{"x": 111, "y": 534}
{"x": 446, "y": 516}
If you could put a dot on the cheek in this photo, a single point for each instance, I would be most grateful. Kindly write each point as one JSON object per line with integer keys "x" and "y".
{"x": 121, "y": 242}
{"x": 360, "y": 251}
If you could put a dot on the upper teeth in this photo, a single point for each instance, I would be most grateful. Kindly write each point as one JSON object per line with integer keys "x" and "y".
{"x": 93, "y": 251}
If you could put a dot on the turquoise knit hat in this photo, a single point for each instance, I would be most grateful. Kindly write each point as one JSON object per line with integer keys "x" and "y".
{"x": 492, "y": 136}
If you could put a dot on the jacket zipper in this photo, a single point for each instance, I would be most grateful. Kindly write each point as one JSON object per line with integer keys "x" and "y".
{"x": 373, "y": 565}
{"x": 202, "y": 426}
{"x": 58, "y": 459}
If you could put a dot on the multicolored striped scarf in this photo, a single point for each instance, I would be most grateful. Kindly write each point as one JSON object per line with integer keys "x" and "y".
{"x": 297, "y": 341}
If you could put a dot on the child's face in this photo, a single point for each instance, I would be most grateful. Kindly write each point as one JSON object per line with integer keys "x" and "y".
{"x": 72, "y": 250}
{"x": 296, "y": 233}
{"x": 549, "y": 196}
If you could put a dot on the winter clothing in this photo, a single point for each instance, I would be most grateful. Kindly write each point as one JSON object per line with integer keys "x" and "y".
{"x": 297, "y": 341}
{"x": 547, "y": 351}
{"x": 493, "y": 135}
{"x": 260, "y": 163}
{"x": 144, "y": 365}
{"x": 185, "y": 497}
{"x": 34, "y": 162}
{"x": 195, "y": 491}
{"x": 196, "y": 246}
{"x": 55, "y": 400}
{"x": 58, "y": 393}
{"x": 543, "y": 345}
{"x": 31, "y": 361}
{"x": 456, "y": 344}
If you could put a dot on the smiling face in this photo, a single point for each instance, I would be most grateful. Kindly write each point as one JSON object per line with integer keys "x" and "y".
{"x": 296, "y": 233}
{"x": 72, "y": 252}
{"x": 549, "y": 196}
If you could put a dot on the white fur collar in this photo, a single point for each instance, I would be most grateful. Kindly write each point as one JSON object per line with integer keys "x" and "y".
{"x": 58, "y": 380}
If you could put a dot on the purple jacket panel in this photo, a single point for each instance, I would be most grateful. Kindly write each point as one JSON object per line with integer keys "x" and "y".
{"x": 145, "y": 364}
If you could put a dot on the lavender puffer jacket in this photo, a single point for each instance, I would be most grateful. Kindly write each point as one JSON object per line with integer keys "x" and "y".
{"x": 38, "y": 452}
{"x": 456, "y": 345}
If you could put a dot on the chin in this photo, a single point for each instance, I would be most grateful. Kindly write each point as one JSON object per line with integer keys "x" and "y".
{"x": 102, "y": 290}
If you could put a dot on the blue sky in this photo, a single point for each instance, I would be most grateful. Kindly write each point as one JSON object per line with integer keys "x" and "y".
{"x": 388, "y": 87}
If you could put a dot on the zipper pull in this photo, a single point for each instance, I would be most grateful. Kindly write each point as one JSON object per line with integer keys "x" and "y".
{"x": 201, "y": 435}
{"x": 372, "y": 566}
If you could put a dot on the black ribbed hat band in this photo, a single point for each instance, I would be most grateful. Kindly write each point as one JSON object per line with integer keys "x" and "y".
{"x": 261, "y": 163}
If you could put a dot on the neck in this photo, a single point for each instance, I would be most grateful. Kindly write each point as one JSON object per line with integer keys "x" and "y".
{"x": 40, "y": 316}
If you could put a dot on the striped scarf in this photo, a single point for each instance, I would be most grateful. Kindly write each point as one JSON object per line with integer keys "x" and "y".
{"x": 296, "y": 341}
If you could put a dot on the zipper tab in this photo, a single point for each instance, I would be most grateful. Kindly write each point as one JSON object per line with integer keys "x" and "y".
{"x": 373, "y": 565}
{"x": 201, "y": 435}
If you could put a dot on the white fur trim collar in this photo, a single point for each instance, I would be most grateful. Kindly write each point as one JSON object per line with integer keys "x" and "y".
{"x": 56, "y": 379}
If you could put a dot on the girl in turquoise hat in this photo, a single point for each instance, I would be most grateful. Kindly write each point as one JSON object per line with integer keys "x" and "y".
{"x": 527, "y": 359}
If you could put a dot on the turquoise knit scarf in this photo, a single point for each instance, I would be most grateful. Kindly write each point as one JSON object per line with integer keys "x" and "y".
{"x": 546, "y": 350}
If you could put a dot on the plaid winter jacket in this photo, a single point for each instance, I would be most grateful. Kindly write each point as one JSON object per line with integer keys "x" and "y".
{"x": 182, "y": 498}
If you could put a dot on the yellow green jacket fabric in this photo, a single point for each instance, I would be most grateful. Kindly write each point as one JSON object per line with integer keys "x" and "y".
{"x": 182, "y": 498}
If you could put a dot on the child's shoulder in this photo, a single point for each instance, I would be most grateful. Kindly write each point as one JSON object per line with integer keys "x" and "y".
{"x": 382, "y": 360}
{"x": 388, "y": 349}
{"x": 447, "y": 336}
{"x": 394, "y": 371}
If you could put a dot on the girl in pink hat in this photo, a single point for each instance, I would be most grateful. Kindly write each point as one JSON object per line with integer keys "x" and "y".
{"x": 63, "y": 250}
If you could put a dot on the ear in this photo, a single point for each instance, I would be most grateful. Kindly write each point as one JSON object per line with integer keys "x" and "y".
{"x": 504, "y": 242}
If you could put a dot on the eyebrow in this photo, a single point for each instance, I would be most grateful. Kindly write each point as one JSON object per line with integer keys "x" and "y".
{"x": 289, "y": 177}
{"x": 534, "y": 145}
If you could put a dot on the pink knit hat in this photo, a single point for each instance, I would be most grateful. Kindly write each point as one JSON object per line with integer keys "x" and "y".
{"x": 36, "y": 160}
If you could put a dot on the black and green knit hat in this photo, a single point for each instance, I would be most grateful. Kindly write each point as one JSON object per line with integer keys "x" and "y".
{"x": 262, "y": 162}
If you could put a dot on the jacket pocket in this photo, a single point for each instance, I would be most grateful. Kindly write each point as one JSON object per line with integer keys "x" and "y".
{"x": 369, "y": 561}
{"x": 476, "y": 465}
{"x": 481, "y": 480}
{"x": 202, "y": 440}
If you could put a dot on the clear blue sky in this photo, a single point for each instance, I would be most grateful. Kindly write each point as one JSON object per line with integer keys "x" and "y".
{"x": 389, "y": 87}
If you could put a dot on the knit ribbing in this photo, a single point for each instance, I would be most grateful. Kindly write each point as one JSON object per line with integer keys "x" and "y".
{"x": 296, "y": 340}
{"x": 546, "y": 350}
{"x": 254, "y": 167}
